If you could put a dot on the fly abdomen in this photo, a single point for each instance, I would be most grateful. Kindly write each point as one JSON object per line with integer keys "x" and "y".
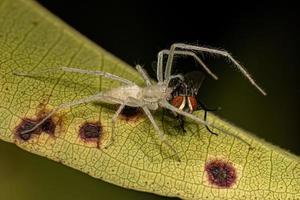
{"x": 179, "y": 102}
{"x": 186, "y": 103}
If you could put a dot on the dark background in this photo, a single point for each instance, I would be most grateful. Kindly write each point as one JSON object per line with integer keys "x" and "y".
{"x": 263, "y": 37}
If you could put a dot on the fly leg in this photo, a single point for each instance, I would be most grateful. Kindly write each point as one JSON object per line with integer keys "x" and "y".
{"x": 205, "y": 115}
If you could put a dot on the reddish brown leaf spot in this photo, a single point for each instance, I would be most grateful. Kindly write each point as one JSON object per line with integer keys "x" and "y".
{"x": 48, "y": 126}
{"x": 91, "y": 132}
{"x": 25, "y": 125}
{"x": 221, "y": 173}
{"x": 130, "y": 113}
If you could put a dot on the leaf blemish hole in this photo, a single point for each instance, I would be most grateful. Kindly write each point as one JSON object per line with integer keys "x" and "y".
{"x": 220, "y": 173}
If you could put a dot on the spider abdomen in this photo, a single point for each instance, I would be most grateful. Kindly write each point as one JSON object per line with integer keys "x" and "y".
{"x": 123, "y": 93}
{"x": 155, "y": 92}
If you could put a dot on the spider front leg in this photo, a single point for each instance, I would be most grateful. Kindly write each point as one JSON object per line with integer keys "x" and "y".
{"x": 144, "y": 74}
{"x": 80, "y": 71}
{"x": 160, "y": 57}
{"x": 189, "y": 48}
{"x": 146, "y": 77}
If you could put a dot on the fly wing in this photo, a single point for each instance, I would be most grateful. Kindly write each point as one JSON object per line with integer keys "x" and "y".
{"x": 194, "y": 80}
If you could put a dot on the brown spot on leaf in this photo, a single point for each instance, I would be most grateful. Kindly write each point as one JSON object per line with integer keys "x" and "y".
{"x": 25, "y": 125}
{"x": 220, "y": 173}
{"x": 48, "y": 126}
{"x": 131, "y": 113}
{"x": 91, "y": 132}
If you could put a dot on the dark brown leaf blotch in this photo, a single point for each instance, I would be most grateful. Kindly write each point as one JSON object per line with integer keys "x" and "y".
{"x": 220, "y": 173}
{"x": 91, "y": 132}
{"x": 48, "y": 126}
{"x": 25, "y": 125}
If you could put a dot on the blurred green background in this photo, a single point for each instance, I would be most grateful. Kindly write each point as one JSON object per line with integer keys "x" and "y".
{"x": 263, "y": 37}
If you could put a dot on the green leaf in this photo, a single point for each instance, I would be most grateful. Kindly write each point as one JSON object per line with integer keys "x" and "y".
{"x": 32, "y": 40}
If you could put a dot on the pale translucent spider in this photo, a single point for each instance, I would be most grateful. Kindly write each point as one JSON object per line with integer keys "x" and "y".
{"x": 154, "y": 94}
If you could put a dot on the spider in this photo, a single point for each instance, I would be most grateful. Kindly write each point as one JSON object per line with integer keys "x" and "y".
{"x": 184, "y": 97}
{"x": 153, "y": 95}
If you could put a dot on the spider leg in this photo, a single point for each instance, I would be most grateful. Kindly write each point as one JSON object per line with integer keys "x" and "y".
{"x": 159, "y": 70}
{"x": 159, "y": 132}
{"x": 166, "y": 105}
{"x": 80, "y": 71}
{"x": 114, "y": 118}
{"x": 167, "y": 81}
{"x": 180, "y": 118}
{"x": 98, "y": 73}
{"x": 184, "y": 53}
{"x": 144, "y": 74}
{"x": 96, "y": 97}
{"x": 211, "y": 51}
{"x": 147, "y": 78}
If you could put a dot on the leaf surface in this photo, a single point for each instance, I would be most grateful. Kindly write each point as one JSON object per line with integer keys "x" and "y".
{"x": 32, "y": 40}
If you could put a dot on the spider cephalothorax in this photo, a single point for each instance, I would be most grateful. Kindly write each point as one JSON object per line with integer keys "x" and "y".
{"x": 154, "y": 94}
